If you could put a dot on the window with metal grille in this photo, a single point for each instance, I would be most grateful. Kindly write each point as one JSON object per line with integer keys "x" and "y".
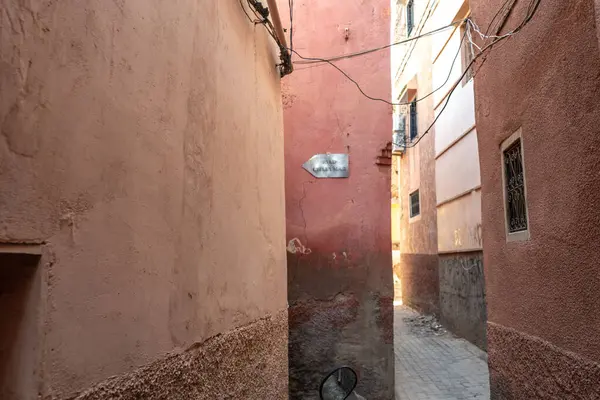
{"x": 410, "y": 17}
{"x": 413, "y": 120}
{"x": 415, "y": 207}
{"x": 514, "y": 181}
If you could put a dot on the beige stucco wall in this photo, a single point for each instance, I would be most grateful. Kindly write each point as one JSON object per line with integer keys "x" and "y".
{"x": 417, "y": 269}
{"x": 459, "y": 224}
{"x": 457, "y": 170}
{"x": 444, "y": 165}
{"x": 142, "y": 146}
{"x": 457, "y": 157}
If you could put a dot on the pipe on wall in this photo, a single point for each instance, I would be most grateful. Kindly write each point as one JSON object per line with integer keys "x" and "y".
{"x": 274, "y": 12}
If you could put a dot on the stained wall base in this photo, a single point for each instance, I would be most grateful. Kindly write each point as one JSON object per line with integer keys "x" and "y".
{"x": 419, "y": 277}
{"x": 341, "y": 313}
{"x": 463, "y": 308}
{"x": 246, "y": 363}
{"x": 527, "y": 367}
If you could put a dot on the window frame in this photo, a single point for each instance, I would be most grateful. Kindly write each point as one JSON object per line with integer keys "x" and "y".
{"x": 467, "y": 54}
{"x": 507, "y": 143}
{"x": 410, "y": 204}
{"x": 413, "y": 124}
{"x": 410, "y": 17}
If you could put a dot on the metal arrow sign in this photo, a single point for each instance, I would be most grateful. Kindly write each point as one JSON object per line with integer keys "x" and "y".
{"x": 328, "y": 166}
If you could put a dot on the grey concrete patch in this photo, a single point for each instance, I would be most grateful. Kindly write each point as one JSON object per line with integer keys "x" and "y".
{"x": 436, "y": 366}
{"x": 463, "y": 307}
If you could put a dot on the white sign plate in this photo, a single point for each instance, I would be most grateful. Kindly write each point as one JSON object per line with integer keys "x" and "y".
{"x": 328, "y": 166}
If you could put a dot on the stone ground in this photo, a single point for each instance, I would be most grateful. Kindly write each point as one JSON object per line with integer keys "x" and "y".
{"x": 432, "y": 364}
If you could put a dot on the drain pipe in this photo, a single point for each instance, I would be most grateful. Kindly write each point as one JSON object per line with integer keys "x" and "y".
{"x": 274, "y": 12}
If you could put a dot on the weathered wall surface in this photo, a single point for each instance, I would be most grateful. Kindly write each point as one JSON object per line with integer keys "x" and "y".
{"x": 527, "y": 367}
{"x": 543, "y": 291}
{"x": 458, "y": 182}
{"x": 418, "y": 269}
{"x": 419, "y": 278}
{"x": 462, "y": 296}
{"x": 341, "y": 294}
{"x": 340, "y": 314}
{"x": 459, "y": 224}
{"x": 243, "y": 363}
{"x": 142, "y": 143}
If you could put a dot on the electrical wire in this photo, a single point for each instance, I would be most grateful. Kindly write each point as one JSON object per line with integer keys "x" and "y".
{"x": 413, "y": 144}
{"x": 246, "y": 12}
{"x": 377, "y": 98}
{"x": 531, "y": 11}
{"x": 262, "y": 15}
{"x": 449, "y": 72}
{"x": 363, "y": 52}
{"x": 502, "y": 8}
{"x": 259, "y": 18}
{"x": 426, "y": 14}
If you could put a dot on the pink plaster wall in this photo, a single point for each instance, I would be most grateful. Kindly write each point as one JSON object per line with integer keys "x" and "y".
{"x": 324, "y": 112}
{"x": 341, "y": 294}
{"x": 544, "y": 81}
{"x": 141, "y": 142}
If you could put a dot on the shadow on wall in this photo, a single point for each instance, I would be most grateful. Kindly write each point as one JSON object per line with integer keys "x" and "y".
{"x": 419, "y": 278}
{"x": 463, "y": 306}
{"x": 19, "y": 316}
{"x": 343, "y": 316}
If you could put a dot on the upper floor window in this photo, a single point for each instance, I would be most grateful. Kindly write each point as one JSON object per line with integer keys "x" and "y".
{"x": 399, "y": 135}
{"x": 413, "y": 120}
{"x": 414, "y": 204}
{"x": 410, "y": 16}
{"x": 515, "y": 192}
{"x": 467, "y": 53}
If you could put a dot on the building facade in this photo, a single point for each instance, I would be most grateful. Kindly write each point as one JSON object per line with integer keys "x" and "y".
{"x": 440, "y": 269}
{"x": 339, "y": 255}
{"x": 537, "y": 122}
{"x": 142, "y": 217}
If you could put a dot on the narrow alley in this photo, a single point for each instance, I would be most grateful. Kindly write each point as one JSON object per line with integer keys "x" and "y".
{"x": 431, "y": 363}
{"x": 300, "y": 200}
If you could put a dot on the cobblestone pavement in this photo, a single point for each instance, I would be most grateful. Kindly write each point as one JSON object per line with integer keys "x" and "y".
{"x": 431, "y": 364}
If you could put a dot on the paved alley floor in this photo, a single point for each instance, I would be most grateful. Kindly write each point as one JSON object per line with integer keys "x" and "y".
{"x": 431, "y": 364}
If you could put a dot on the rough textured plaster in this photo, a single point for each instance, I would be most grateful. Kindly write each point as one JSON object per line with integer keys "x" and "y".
{"x": 142, "y": 140}
{"x": 245, "y": 363}
{"x": 547, "y": 85}
{"x": 546, "y": 286}
{"x": 527, "y": 367}
{"x": 419, "y": 277}
{"x": 597, "y": 9}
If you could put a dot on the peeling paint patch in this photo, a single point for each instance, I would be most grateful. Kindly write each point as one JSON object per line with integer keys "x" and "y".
{"x": 295, "y": 246}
